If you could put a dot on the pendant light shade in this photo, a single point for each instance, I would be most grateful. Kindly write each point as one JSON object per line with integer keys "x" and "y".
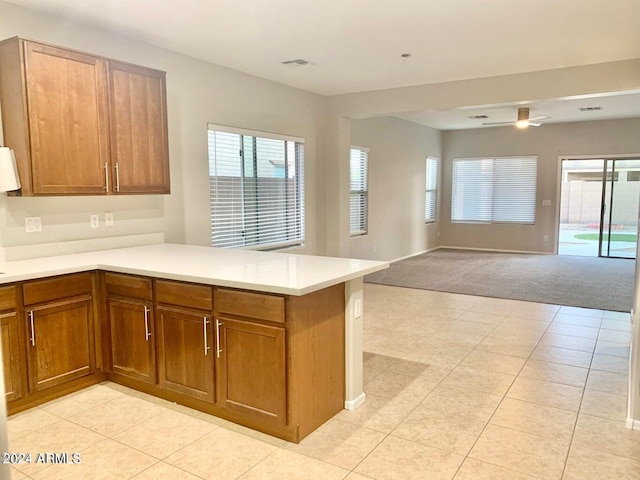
{"x": 8, "y": 172}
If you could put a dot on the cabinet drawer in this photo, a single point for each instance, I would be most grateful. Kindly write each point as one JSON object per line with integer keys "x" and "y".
{"x": 8, "y": 298}
{"x": 128, "y": 286}
{"x": 184, "y": 294}
{"x": 55, "y": 288}
{"x": 247, "y": 304}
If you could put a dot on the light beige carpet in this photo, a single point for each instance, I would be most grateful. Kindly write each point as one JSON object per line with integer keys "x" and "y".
{"x": 601, "y": 283}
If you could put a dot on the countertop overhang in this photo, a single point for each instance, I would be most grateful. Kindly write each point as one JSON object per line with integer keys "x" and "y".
{"x": 274, "y": 272}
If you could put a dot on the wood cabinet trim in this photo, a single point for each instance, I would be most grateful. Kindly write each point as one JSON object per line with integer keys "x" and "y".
{"x": 52, "y": 288}
{"x": 259, "y": 306}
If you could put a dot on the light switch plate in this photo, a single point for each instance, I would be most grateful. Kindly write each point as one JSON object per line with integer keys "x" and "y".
{"x": 108, "y": 219}
{"x": 546, "y": 203}
{"x": 357, "y": 313}
{"x": 94, "y": 220}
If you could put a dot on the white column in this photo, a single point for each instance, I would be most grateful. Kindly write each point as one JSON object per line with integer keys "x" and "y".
{"x": 354, "y": 315}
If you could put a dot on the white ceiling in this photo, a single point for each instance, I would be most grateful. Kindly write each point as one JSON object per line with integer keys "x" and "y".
{"x": 356, "y": 45}
{"x": 620, "y": 105}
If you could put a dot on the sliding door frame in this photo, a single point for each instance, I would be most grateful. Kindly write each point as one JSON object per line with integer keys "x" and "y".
{"x": 561, "y": 158}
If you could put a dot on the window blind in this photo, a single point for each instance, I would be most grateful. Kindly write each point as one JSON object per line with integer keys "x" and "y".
{"x": 256, "y": 190}
{"x": 494, "y": 190}
{"x": 358, "y": 205}
{"x": 431, "y": 193}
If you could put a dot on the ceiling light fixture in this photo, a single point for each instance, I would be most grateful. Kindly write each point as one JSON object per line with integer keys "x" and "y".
{"x": 589, "y": 109}
{"x": 478, "y": 117}
{"x": 523, "y": 118}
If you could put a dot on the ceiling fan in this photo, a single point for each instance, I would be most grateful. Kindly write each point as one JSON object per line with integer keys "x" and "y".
{"x": 523, "y": 120}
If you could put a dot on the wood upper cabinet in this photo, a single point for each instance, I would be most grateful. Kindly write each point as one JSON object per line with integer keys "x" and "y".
{"x": 12, "y": 344}
{"x": 59, "y": 324}
{"x": 139, "y": 148}
{"x": 81, "y": 124}
{"x": 131, "y": 326}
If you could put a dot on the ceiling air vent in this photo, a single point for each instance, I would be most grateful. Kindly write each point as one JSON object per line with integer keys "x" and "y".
{"x": 298, "y": 62}
{"x": 478, "y": 117}
{"x": 589, "y": 109}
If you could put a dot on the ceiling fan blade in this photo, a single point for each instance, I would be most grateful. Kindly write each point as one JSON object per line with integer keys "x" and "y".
{"x": 539, "y": 117}
{"x": 498, "y": 123}
{"x": 534, "y": 124}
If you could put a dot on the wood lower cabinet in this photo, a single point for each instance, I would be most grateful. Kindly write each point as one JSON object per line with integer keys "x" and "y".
{"x": 131, "y": 326}
{"x": 12, "y": 344}
{"x": 280, "y": 360}
{"x": 133, "y": 350}
{"x": 274, "y": 363}
{"x": 60, "y": 332}
{"x": 11, "y": 358}
{"x": 251, "y": 369}
{"x": 185, "y": 353}
{"x": 60, "y": 346}
{"x": 184, "y": 316}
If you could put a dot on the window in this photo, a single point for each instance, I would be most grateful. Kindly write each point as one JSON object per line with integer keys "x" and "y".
{"x": 256, "y": 185}
{"x": 494, "y": 190}
{"x": 431, "y": 193}
{"x": 359, "y": 191}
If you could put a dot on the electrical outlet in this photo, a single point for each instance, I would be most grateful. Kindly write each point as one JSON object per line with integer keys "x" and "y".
{"x": 94, "y": 220}
{"x": 374, "y": 249}
{"x": 32, "y": 224}
{"x": 546, "y": 238}
{"x": 108, "y": 219}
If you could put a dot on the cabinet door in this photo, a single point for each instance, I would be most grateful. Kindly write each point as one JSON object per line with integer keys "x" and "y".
{"x": 61, "y": 343}
{"x": 185, "y": 356}
{"x": 67, "y": 106}
{"x": 138, "y": 123}
{"x": 11, "y": 357}
{"x": 250, "y": 369}
{"x": 132, "y": 339}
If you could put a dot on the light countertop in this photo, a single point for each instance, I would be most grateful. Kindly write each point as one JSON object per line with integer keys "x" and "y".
{"x": 283, "y": 273}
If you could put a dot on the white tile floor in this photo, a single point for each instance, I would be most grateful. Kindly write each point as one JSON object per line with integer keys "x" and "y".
{"x": 458, "y": 387}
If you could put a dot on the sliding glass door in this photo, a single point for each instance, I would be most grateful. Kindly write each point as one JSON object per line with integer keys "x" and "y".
{"x": 599, "y": 207}
{"x": 619, "y": 225}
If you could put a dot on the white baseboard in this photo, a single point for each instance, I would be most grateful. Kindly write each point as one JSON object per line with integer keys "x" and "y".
{"x": 633, "y": 424}
{"x": 498, "y": 250}
{"x": 354, "y": 404}
{"x": 413, "y": 254}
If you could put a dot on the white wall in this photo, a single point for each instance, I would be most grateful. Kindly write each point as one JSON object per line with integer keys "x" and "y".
{"x": 197, "y": 93}
{"x": 548, "y": 142}
{"x": 397, "y": 153}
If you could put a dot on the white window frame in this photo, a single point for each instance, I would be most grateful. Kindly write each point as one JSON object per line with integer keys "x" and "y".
{"x": 359, "y": 219}
{"x": 431, "y": 189}
{"x": 231, "y": 215}
{"x": 494, "y": 190}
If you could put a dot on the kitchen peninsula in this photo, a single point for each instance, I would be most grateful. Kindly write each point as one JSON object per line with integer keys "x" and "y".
{"x": 269, "y": 340}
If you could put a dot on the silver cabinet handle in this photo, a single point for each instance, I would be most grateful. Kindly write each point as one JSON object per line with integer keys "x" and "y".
{"x": 33, "y": 331}
{"x": 106, "y": 176}
{"x": 117, "y": 167}
{"x": 218, "y": 351}
{"x": 147, "y": 333}
{"x": 206, "y": 341}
